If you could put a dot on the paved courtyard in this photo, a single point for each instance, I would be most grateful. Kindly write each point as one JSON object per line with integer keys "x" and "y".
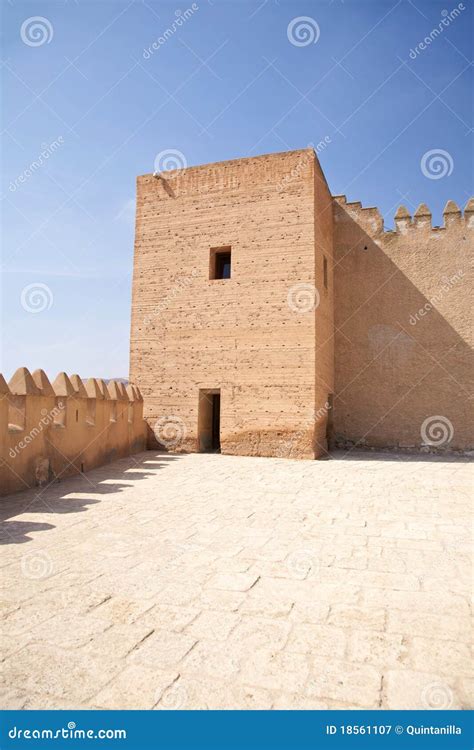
{"x": 208, "y": 581}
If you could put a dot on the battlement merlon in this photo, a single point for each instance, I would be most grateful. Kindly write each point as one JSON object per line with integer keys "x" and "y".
{"x": 372, "y": 221}
{"x": 50, "y": 430}
{"x": 24, "y": 383}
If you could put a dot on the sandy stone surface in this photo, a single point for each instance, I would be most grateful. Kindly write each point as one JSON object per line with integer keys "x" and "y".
{"x": 208, "y": 581}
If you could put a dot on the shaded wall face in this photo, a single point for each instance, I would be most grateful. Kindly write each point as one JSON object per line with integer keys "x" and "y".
{"x": 403, "y": 356}
{"x": 251, "y": 336}
{"x": 46, "y": 437}
{"x": 324, "y": 341}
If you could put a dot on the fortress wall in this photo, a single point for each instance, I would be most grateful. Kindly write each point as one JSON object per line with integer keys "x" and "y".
{"x": 51, "y": 431}
{"x": 389, "y": 335}
{"x": 403, "y": 337}
{"x": 241, "y": 335}
{"x": 324, "y": 343}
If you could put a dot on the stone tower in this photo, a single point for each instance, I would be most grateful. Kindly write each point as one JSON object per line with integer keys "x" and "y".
{"x": 270, "y": 318}
{"x": 232, "y": 293}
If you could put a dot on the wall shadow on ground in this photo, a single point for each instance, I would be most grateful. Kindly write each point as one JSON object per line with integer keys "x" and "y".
{"x": 359, "y": 454}
{"x": 54, "y": 499}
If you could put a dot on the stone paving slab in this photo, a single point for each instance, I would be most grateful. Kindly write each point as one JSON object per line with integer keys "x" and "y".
{"x": 207, "y": 581}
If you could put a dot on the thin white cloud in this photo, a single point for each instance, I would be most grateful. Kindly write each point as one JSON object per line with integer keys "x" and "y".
{"x": 86, "y": 273}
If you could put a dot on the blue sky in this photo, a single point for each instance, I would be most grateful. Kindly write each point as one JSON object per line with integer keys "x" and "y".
{"x": 228, "y": 81}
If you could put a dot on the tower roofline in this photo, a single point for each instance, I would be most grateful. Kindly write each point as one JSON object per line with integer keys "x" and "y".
{"x": 243, "y": 159}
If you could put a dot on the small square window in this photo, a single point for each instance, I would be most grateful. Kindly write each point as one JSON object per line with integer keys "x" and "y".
{"x": 220, "y": 263}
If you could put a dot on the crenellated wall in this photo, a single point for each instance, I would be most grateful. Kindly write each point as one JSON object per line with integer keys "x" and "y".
{"x": 403, "y": 327}
{"x": 51, "y": 431}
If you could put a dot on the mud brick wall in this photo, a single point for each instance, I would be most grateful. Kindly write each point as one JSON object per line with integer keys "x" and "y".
{"x": 251, "y": 336}
{"x": 330, "y": 328}
{"x": 403, "y": 338}
{"x": 49, "y": 431}
{"x": 324, "y": 311}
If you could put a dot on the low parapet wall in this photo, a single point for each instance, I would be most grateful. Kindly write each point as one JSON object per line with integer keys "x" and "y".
{"x": 51, "y": 431}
